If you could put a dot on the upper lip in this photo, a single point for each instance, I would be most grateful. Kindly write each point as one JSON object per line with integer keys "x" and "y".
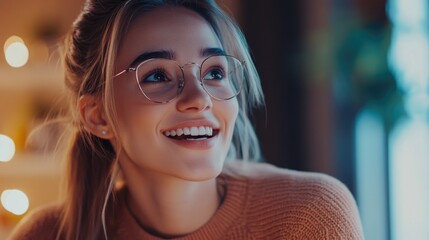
{"x": 193, "y": 123}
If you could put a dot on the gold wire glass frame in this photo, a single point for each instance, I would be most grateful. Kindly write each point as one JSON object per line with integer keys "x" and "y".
{"x": 161, "y": 80}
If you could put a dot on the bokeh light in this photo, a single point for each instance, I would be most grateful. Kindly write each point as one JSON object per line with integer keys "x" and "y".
{"x": 16, "y": 52}
{"x": 10, "y": 40}
{"x": 408, "y": 140}
{"x": 7, "y": 148}
{"x": 15, "y": 201}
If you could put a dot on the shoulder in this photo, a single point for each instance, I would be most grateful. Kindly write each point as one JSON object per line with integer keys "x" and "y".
{"x": 41, "y": 223}
{"x": 286, "y": 184}
{"x": 264, "y": 173}
{"x": 301, "y": 204}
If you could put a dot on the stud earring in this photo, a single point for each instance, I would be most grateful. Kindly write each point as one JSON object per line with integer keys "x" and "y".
{"x": 104, "y": 132}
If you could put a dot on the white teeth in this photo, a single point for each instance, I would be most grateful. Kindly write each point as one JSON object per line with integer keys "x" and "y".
{"x": 209, "y": 131}
{"x": 179, "y": 132}
{"x": 202, "y": 131}
{"x": 173, "y": 133}
{"x": 192, "y": 131}
{"x": 186, "y": 131}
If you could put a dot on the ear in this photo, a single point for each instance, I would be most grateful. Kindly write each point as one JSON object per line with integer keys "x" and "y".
{"x": 93, "y": 117}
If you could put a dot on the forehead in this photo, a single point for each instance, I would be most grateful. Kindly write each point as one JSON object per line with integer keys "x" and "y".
{"x": 175, "y": 29}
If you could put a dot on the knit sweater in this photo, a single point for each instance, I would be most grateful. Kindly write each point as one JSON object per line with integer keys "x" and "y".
{"x": 260, "y": 202}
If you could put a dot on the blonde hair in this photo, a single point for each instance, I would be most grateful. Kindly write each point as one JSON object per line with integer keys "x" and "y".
{"x": 90, "y": 51}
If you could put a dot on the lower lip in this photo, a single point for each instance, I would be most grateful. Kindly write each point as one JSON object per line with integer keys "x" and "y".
{"x": 196, "y": 144}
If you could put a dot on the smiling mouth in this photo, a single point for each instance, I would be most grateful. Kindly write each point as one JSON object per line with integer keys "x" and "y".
{"x": 191, "y": 133}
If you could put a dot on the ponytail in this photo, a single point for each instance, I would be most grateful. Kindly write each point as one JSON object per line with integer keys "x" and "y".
{"x": 88, "y": 180}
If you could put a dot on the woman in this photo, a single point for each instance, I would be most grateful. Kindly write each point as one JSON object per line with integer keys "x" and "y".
{"x": 160, "y": 94}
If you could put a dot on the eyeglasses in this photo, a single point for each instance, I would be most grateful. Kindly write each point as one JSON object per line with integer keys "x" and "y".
{"x": 162, "y": 80}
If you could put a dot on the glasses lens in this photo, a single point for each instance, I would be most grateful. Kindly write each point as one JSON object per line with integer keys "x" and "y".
{"x": 159, "y": 79}
{"x": 222, "y": 76}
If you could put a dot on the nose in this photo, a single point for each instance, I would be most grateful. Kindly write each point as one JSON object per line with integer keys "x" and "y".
{"x": 193, "y": 97}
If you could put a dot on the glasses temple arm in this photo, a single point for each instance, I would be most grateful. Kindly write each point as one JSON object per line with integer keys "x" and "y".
{"x": 124, "y": 71}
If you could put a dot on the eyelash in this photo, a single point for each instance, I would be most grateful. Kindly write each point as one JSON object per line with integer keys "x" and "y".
{"x": 152, "y": 72}
{"x": 215, "y": 68}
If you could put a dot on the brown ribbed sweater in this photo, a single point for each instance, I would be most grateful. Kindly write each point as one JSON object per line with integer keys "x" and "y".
{"x": 260, "y": 202}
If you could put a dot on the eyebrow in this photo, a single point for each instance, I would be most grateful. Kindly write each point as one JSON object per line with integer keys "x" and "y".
{"x": 155, "y": 54}
{"x": 205, "y": 52}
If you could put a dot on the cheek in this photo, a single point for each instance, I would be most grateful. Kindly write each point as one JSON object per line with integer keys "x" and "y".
{"x": 229, "y": 110}
{"x": 139, "y": 136}
{"x": 136, "y": 119}
{"x": 234, "y": 108}
{"x": 131, "y": 106}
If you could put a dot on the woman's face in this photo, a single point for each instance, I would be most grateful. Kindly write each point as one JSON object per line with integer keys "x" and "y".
{"x": 184, "y": 36}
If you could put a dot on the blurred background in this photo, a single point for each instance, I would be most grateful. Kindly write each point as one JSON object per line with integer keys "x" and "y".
{"x": 346, "y": 85}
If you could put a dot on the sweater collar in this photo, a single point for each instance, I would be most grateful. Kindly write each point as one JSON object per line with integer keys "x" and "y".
{"x": 234, "y": 191}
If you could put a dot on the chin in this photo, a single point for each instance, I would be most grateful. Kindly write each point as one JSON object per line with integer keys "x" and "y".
{"x": 202, "y": 170}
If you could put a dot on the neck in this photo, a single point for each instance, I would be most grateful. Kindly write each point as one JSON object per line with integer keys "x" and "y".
{"x": 172, "y": 207}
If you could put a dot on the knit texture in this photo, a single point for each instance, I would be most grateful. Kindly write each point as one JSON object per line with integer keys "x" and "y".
{"x": 260, "y": 202}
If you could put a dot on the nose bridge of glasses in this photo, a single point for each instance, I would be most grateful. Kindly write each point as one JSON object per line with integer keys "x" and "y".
{"x": 194, "y": 71}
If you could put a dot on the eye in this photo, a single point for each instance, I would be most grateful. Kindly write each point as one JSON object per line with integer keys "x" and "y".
{"x": 215, "y": 73}
{"x": 156, "y": 76}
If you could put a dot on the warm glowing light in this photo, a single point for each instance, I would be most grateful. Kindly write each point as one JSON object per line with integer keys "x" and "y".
{"x": 16, "y": 52}
{"x": 15, "y": 201}
{"x": 11, "y": 40}
{"x": 7, "y": 148}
